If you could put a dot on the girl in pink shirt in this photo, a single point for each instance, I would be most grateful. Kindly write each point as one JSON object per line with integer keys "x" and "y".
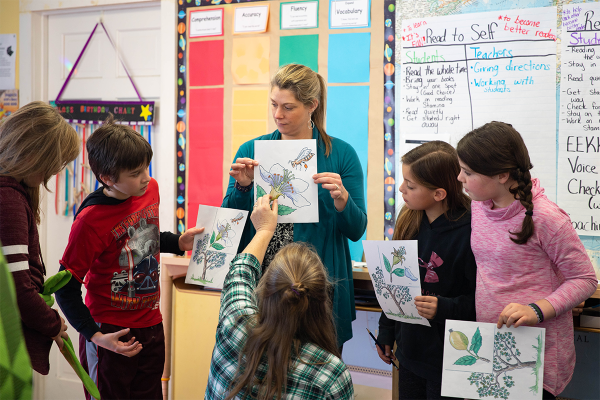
{"x": 532, "y": 268}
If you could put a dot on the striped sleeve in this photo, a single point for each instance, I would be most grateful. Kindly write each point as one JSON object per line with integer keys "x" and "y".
{"x": 17, "y": 228}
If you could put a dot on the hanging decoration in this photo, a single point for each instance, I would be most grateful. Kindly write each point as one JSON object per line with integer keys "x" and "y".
{"x": 77, "y": 180}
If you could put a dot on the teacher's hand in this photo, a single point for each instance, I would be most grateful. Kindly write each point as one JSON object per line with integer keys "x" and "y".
{"x": 242, "y": 170}
{"x": 333, "y": 182}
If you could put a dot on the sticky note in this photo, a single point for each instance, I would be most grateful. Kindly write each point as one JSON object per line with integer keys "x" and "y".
{"x": 300, "y": 49}
{"x": 205, "y": 63}
{"x": 250, "y": 115}
{"x": 348, "y": 57}
{"x": 348, "y": 119}
{"x": 250, "y": 60}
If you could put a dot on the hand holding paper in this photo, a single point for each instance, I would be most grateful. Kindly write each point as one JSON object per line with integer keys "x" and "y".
{"x": 333, "y": 182}
{"x": 242, "y": 170}
{"x": 186, "y": 241}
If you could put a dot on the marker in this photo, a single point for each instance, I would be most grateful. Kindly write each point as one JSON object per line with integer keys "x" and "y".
{"x": 382, "y": 348}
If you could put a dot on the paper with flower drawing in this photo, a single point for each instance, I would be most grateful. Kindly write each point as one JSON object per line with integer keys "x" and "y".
{"x": 482, "y": 361}
{"x": 394, "y": 269}
{"x": 215, "y": 248}
{"x": 285, "y": 172}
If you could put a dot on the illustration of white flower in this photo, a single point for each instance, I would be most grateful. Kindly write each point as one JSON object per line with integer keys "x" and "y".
{"x": 224, "y": 232}
{"x": 284, "y": 184}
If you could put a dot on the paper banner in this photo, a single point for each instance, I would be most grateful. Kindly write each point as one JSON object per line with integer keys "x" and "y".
{"x": 215, "y": 248}
{"x": 348, "y": 57}
{"x": 394, "y": 269}
{"x": 250, "y": 60}
{"x": 205, "y": 153}
{"x": 285, "y": 172}
{"x": 348, "y": 119}
{"x": 481, "y": 360}
{"x": 302, "y": 49}
{"x": 249, "y": 116}
{"x": 206, "y": 63}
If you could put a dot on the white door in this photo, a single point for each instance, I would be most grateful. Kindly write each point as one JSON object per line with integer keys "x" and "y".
{"x": 100, "y": 76}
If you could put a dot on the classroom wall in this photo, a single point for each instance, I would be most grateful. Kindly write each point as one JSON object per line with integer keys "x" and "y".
{"x": 9, "y": 23}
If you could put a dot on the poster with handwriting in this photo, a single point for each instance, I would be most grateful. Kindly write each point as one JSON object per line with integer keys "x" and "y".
{"x": 206, "y": 23}
{"x": 299, "y": 15}
{"x": 461, "y": 71}
{"x": 579, "y": 122}
{"x": 344, "y": 14}
{"x": 250, "y": 19}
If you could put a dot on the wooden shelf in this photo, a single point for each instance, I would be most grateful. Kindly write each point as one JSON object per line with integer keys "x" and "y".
{"x": 582, "y": 329}
{"x": 363, "y": 308}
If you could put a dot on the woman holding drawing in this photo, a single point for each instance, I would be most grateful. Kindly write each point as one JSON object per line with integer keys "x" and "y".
{"x": 298, "y": 100}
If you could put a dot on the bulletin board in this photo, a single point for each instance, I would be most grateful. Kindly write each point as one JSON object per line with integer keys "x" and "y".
{"x": 223, "y": 97}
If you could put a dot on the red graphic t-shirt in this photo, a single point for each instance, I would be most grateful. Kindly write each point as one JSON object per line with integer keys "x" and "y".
{"x": 114, "y": 250}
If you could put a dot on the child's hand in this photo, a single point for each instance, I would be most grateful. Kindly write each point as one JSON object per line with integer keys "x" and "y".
{"x": 517, "y": 314}
{"x": 186, "y": 240}
{"x": 426, "y": 306}
{"x": 62, "y": 334}
{"x": 388, "y": 356}
{"x": 264, "y": 216}
{"x": 578, "y": 309}
{"x": 110, "y": 341}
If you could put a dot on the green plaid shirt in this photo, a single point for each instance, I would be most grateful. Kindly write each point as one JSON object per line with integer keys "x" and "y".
{"x": 320, "y": 374}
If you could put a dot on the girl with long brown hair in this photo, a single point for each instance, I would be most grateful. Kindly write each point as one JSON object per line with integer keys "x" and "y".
{"x": 276, "y": 339}
{"x": 35, "y": 144}
{"x": 532, "y": 268}
{"x": 436, "y": 214}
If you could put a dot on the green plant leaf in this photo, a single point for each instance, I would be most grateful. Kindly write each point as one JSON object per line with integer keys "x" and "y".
{"x": 212, "y": 238}
{"x": 260, "y": 192}
{"x": 386, "y": 262}
{"x": 476, "y": 342}
{"x": 217, "y": 246}
{"x": 465, "y": 360}
{"x": 398, "y": 272}
{"x": 285, "y": 210}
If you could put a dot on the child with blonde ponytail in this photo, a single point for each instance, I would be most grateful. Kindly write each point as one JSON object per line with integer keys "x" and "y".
{"x": 532, "y": 268}
{"x": 276, "y": 339}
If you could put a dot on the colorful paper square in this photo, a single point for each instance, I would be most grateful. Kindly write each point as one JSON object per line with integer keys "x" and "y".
{"x": 348, "y": 57}
{"x": 300, "y": 49}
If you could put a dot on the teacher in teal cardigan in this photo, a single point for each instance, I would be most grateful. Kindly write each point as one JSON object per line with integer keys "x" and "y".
{"x": 298, "y": 103}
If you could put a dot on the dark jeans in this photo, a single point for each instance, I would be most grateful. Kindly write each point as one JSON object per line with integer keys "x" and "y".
{"x": 412, "y": 387}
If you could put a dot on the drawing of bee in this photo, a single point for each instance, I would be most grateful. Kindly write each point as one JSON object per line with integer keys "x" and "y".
{"x": 304, "y": 156}
{"x": 237, "y": 218}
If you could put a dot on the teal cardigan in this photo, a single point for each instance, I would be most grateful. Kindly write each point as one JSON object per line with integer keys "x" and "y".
{"x": 330, "y": 235}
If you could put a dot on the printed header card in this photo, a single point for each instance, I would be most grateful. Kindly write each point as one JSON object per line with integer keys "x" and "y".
{"x": 250, "y": 19}
{"x": 215, "y": 248}
{"x": 344, "y": 14}
{"x": 285, "y": 172}
{"x": 482, "y": 361}
{"x": 206, "y": 23}
{"x": 299, "y": 15}
{"x": 394, "y": 269}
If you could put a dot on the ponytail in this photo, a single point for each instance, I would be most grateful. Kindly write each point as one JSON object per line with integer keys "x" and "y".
{"x": 497, "y": 148}
{"x": 307, "y": 86}
{"x": 294, "y": 307}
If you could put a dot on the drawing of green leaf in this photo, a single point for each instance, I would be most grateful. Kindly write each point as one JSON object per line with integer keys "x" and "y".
{"x": 476, "y": 342}
{"x": 217, "y": 246}
{"x": 260, "y": 192}
{"x": 465, "y": 360}
{"x": 388, "y": 267}
{"x": 398, "y": 272}
{"x": 212, "y": 238}
{"x": 285, "y": 210}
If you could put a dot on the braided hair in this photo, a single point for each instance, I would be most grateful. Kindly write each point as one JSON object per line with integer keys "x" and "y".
{"x": 497, "y": 148}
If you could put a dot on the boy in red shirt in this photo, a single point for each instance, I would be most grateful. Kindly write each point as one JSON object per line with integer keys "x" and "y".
{"x": 115, "y": 241}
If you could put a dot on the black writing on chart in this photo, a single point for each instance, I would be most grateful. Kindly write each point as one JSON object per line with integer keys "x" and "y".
{"x": 579, "y": 124}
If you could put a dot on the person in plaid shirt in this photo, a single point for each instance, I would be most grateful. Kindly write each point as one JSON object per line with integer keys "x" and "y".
{"x": 277, "y": 339}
